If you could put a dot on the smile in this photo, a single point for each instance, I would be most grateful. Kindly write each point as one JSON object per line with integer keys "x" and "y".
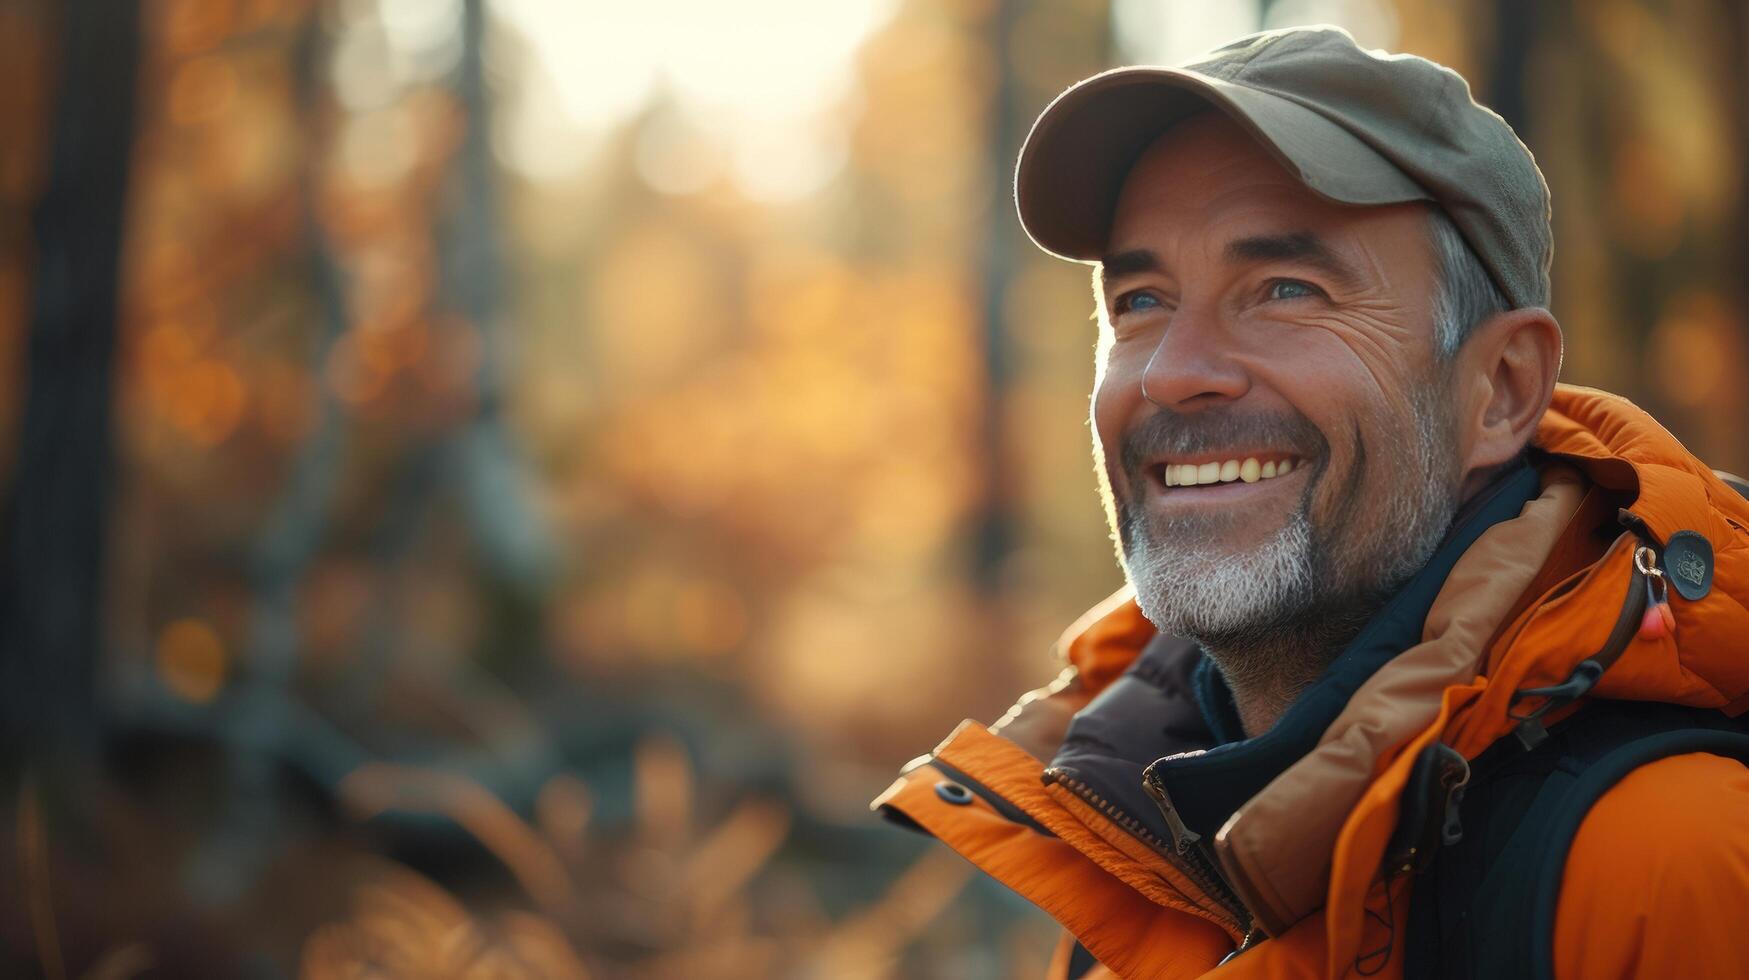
{"x": 1248, "y": 469}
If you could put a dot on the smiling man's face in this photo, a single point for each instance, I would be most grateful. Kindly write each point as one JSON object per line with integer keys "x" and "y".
{"x": 1270, "y": 413}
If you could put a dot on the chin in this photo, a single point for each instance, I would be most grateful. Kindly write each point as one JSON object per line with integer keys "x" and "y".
{"x": 1188, "y": 587}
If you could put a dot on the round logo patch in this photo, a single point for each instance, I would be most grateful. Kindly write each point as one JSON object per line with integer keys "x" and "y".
{"x": 1688, "y": 563}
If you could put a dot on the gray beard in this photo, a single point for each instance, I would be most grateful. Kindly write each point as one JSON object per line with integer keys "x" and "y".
{"x": 1278, "y": 613}
{"x": 1197, "y": 590}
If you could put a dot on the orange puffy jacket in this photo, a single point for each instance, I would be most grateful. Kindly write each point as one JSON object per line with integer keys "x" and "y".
{"x": 1657, "y": 881}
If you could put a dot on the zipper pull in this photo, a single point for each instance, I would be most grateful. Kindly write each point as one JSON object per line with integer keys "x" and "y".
{"x": 1658, "y": 621}
{"x": 1182, "y": 837}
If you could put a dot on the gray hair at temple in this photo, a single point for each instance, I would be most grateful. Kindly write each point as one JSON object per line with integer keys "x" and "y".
{"x": 1466, "y": 293}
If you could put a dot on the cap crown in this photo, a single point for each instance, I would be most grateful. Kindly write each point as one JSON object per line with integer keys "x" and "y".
{"x": 1360, "y": 127}
{"x": 1421, "y": 116}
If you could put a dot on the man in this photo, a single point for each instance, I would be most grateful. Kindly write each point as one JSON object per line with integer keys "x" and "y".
{"x": 1427, "y": 665}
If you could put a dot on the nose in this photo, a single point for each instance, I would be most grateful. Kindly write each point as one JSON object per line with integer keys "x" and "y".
{"x": 1193, "y": 364}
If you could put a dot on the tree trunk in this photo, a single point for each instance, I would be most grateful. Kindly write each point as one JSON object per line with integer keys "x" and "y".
{"x": 52, "y": 525}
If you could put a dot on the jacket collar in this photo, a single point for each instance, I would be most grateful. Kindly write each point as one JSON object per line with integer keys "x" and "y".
{"x": 1170, "y": 706}
{"x": 1532, "y": 597}
{"x": 1209, "y": 786}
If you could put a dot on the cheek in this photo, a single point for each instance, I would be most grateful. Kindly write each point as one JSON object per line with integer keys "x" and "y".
{"x": 1367, "y": 351}
{"x": 1347, "y": 369}
{"x": 1322, "y": 383}
{"x": 1369, "y": 456}
{"x": 1352, "y": 373}
{"x": 1117, "y": 400}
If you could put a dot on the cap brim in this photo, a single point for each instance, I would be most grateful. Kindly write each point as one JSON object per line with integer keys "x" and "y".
{"x": 1078, "y": 153}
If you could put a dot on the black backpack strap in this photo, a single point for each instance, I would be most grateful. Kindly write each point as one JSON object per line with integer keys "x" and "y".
{"x": 1486, "y": 907}
{"x": 1543, "y": 884}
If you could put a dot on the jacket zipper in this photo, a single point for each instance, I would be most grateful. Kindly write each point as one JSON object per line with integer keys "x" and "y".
{"x": 1196, "y": 858}
{"x": 1194, "y": 864}
{"x": 1252, "y": 938}
{"x": 1530, "y": 730}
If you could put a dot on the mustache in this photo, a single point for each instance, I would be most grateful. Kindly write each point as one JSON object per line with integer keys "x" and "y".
{"x": 1172, "y": 433}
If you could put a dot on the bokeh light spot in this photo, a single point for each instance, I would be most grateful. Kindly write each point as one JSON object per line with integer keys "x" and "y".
{"x": 191, "y": 660}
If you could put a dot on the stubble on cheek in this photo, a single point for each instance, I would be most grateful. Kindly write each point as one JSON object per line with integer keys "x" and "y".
{"x": 1394, "y": 498}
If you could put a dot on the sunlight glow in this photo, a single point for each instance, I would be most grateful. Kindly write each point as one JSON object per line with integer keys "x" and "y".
{"x": 747, "y": 89}
{"x": 1167, "y": 32}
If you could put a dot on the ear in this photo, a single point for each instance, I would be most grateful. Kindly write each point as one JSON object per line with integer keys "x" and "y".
{"x": 1506, "y": 370}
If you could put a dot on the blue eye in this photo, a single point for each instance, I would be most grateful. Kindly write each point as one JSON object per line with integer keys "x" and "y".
{"x": 1136, "y": 301}
{"x": 1291, "y": 289}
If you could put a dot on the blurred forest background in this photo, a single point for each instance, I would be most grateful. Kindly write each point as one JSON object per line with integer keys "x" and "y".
{"x": 493, "y": 487}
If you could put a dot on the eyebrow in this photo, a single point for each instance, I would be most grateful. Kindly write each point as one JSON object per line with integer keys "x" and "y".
{"x": 1132, "y": 262}
{"x": 1293, "y": 246}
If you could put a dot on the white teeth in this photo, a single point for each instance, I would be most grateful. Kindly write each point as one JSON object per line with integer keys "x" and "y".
{"x": 1225, "y": 471}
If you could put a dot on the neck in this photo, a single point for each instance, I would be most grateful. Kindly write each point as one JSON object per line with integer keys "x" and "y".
{"x": 1268, "y": 671}
{"x": 1264, "y": 686}
{"x": 1261, "y": 697}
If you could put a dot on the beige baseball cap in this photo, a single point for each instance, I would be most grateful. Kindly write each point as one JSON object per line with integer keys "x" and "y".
{"x": 1356, "y": 126}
